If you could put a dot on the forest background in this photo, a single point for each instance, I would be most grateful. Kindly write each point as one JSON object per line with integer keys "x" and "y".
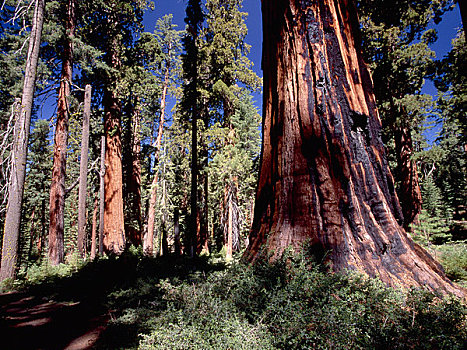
{"x": 181, "y": 177}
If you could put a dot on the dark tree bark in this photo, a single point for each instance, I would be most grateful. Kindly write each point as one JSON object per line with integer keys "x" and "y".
{"x": 409, "y": 192}
{"x": 324, "y": 178}
{"x": 20, "y": 150}
{"x": 57, "y": 186}
{"x": 102, "y": 197}
{"x": 463, "y": 11}
{"x": 83, "y": 172}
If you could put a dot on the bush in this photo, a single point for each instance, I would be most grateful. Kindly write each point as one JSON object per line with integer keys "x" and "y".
{"x": 453, "y": 257}
{"x": 293, "y": 304}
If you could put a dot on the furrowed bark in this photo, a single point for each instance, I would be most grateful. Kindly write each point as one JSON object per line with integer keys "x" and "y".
{"x": 83, "y": 172}
{"x": 324, "y": 177}
{"x": 57, "y": 186}
{"x": 20, "y": 150}
{"x": 409, "y": 192}
{"x": 114, "y": 229}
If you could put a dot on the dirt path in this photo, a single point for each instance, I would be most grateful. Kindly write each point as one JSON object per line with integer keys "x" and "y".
{"x": 32, "y": 322}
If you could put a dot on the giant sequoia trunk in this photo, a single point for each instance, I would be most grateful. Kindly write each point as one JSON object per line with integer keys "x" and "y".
{"x": 409, "y": 192}
{"x": 324, "y": 178}
{"x": 114, "y": 229}
{"x": 57, "y": 186}
{"x": 20, "y": 150}
{"x": 132, "y": 176}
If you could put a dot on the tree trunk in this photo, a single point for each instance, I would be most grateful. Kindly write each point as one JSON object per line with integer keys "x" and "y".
{"x": 102, "y": 197}
{"x": 149, "y": 237}
{"x": 463, "y": 11}
{"x": 94, "y": 229}
{"x": 228, "y": 254}
{"x": 83, "y": 172}
{"x": 324, "y": 177}
{"x": 178, "y": 246}
{"x": 409, "y": 190}
{"x": 114, "y": 229}
{"x": 57, "y": 187}
{"x": 132, "y": 193}
{"x": 20, "y": 150}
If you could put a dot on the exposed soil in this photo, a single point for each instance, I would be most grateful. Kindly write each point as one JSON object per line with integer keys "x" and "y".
{"x": 33, "y": 322}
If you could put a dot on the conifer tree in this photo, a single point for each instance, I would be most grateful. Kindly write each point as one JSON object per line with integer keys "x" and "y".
{"x": 324, "y": 177}
{"x": 20, "y": 149}
{"x": 57, "y": 188}
{"x": 190, "y": 102}
{"x": 396, "y": 44}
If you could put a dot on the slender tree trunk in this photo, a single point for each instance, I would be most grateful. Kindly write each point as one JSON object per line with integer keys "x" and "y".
{"x": 43, "y": 228}
{"x": 229, "y": 229}
{"x": 83, "y": 172}
{"x": 57, "y": 187}
{"x": 94, "y": 229}
{"x": 20, "y": 150}
{"x": 324, "y": 178}
{"x": 463, "y": 11}
{"x": 149, "y": 237}
{"x": 409, "y": 192}
{"x": 178, "y": 246}
{"x": 102, "y": 197}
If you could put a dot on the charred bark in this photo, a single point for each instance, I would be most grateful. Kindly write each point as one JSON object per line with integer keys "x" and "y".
{"x": 324, "y": 178}
{"x": 132, "y": 177}
{"x": 57, "y": 186}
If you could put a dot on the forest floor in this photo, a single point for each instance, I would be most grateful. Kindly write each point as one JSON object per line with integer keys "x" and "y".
{"x": 80, "y": 311}
{"x": 38, "y": 322}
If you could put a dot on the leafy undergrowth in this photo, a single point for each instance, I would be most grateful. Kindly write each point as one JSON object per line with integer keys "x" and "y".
{"x": 453, "y": 257}
{"x": 178, "y": 303}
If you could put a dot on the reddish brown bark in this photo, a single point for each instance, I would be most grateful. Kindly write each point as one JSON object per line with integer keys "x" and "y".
{"x": 57, "y": 187}
{"x": 324, "y": 178}
{"x": 409, "y": 192}
{"x": 114, "y": 229}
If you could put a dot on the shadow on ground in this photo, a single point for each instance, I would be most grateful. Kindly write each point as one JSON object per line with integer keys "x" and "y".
{"x": 79, "y": 312}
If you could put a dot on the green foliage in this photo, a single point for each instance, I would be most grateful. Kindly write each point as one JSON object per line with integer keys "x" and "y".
{"x": 434, "y": 220}
{"x": 290, "y": 305}
{"x": 453, "y": 256}
{"x": 182, "y": 303}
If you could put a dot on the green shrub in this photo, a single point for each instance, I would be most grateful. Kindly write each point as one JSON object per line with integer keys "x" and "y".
{"x": 293, "y": 304}
{"x": 453, "y": 257}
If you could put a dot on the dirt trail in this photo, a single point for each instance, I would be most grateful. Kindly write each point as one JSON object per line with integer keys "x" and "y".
{"x": 33, "y": 322}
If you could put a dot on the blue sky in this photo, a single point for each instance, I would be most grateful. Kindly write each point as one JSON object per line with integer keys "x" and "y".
{"x": 447, "y": 30}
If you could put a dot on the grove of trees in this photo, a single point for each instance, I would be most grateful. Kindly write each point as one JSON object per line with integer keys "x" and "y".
{"x": 162, "y": 135}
